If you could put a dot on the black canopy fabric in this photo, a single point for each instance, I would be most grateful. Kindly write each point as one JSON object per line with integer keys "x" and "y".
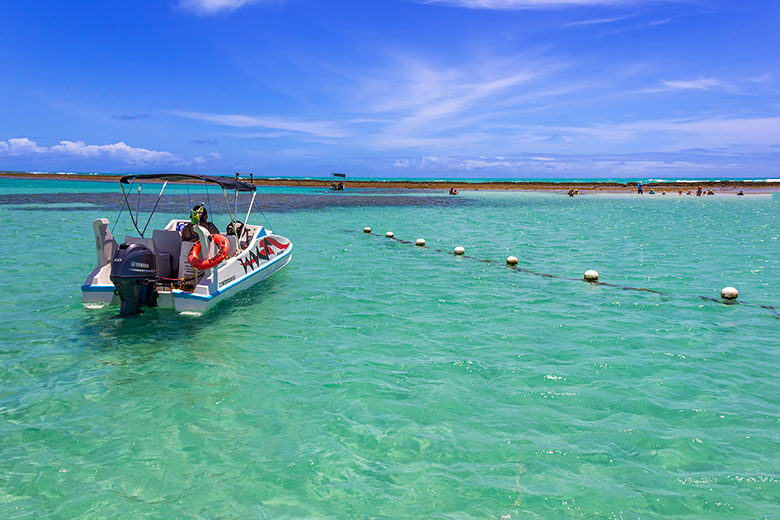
{"x": 226, "y": 183}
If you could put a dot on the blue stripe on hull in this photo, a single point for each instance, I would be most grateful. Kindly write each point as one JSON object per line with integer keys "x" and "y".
{"x": 97, "y": 288}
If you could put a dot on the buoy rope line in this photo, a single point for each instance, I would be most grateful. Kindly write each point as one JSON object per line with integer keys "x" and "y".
{"x": 665, "y": 296}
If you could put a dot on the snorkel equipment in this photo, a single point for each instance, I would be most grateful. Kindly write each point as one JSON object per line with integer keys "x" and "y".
{"x": 196, "y": 215}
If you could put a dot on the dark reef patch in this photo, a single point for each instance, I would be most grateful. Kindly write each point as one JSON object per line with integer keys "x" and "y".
{"x": 177, "y": 203}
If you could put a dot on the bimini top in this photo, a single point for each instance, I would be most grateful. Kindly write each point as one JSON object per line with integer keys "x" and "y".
{"x": 226, "y": 183}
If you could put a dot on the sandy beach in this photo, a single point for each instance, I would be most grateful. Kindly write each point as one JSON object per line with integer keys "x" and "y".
{"x": 670, "y": 187}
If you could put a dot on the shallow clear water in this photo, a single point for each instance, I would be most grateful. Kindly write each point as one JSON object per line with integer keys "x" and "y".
{"x": 374, "y": 379}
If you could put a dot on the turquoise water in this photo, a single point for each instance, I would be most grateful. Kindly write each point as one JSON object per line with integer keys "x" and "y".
{"x": 8, "y": 186}
{"x": 374, "y": 379}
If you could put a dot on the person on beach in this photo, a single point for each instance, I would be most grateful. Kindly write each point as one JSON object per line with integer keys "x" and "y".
{"x": 698, "y": 190}
{"x": 740, "y": 192}
{"x": 639, "y": 188}
{"x": 200, "y": 216}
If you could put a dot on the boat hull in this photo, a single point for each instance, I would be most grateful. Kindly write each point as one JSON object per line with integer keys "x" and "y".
{"x": 265, "y": 256}
{"x": 184, "y": 301}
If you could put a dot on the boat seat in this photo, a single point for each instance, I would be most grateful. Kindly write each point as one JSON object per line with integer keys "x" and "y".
{"x": 162, "y": 256}
{"x": 168, "y": 244}
{"x": 167, "y": 241}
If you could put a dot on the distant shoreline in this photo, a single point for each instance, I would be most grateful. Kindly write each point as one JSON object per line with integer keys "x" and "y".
{"x": 684, "y": 186}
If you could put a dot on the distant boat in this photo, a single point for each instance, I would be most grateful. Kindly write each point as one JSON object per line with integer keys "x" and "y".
{"x": 337, "y": 185}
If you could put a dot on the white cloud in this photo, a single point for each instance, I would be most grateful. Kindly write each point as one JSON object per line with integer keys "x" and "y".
{"x": 317, "y": 128}
{"x": 597, "y": 21}
{"x": 199, "y": 159}
{"x": 23, "y": 146}
{"x": 206, "y": 7}
{"x": 478, "y": 164}
{"x": 424, "y": 105}
{"x": 630, "y": 168}
{"x": 434, "y": 162}
{"x": 626, "y": 165}
{"x": 683, "y": 134}
{"x": 421, "y": 93}
{"x": 696, "y": 84}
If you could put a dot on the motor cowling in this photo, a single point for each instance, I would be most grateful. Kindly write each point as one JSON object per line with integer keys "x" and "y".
{"x": 134, "y": 275}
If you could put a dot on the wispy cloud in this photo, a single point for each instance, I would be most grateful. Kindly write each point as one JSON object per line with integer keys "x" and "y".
{"x": 199, "y": 159}
{"x": 683, "y": 134}
{"x": 531, "y": 4}
{"x": 129, "y": 117}
{"x": 663, "y": 135}
{"x": 496, "y": 105}
{"x": 208, "y": 7}
{"x": 204, "y": 142}
{"x": 645, "y": 165}
{"x": 422, "y": 104}
{"x": 696, "y": 84}
{"x": 23, "y": 146}
{"x": 621, "y": 165}
{"x": 734, "y": 85}
{"x": 597, "y": 21}
{"x": 662, "y": 21}
{"x": 317, "y": 128}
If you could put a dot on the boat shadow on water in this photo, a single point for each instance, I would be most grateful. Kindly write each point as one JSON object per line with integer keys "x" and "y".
{"x": 157, "y": 328}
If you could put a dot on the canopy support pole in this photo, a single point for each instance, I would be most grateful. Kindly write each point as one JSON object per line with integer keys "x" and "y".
{"x": 154, "y": 208}
{"x": 130, "y": 209}
{"x": 252, "y": 203}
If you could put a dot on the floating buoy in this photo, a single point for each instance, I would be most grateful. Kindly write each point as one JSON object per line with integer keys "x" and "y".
{"x": 729, "y": 293}
{"x": 389, "y": 234}
{"x": 511, "y": 260}
{"x": 366, "y": 229}
{"x": 591, "y": 275}
{"x": 459, "y": 250}
{"x": 420, "y": 242}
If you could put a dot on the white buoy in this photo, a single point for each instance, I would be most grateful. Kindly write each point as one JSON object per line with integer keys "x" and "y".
{"x": 511, "y": 260}
{"x": 366, "y": 229}
{"x": 389, "y": 234}
{"x": 459, "y": 250}
{"x": 420, "y": 242}
{"x": 591, "y": 275}
{"x": 729, "y": 293}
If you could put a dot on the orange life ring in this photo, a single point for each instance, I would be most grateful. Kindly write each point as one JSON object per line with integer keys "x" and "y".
{"x": 198, "y": 263}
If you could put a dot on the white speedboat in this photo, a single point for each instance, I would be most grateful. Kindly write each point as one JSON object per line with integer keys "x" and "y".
{"x": 162, "y": 270}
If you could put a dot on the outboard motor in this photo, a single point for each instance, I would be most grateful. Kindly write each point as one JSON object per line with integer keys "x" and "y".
{"x": 134, "y": 274}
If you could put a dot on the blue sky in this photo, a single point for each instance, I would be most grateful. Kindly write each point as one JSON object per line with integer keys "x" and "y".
{"x": 393, "y": 88}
